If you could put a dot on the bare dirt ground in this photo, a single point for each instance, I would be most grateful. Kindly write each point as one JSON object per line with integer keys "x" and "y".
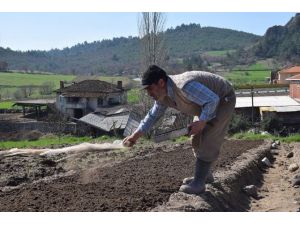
{"x": 13, "y": 117}
{"x": 276, "y": 193}
{"x": 103, "y": 181}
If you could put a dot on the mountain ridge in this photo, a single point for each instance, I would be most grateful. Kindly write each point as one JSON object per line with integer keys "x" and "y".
{"x": 121, "y": 55}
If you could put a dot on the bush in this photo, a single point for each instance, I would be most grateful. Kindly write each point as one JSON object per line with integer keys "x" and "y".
{"x": 47, "y": 88}
{"x": 272, "y": 124}
{"x": 238, "y": 123}
{"x": 32, "y": 135}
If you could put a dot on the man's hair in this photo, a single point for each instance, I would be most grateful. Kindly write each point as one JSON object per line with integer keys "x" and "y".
{"x": 153, "y": 74}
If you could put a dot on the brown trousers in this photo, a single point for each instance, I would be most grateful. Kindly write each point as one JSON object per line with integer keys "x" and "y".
{"x": 207, "y": 144}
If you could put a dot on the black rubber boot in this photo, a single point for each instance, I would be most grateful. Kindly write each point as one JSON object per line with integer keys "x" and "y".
{"x": 197, "y": 186}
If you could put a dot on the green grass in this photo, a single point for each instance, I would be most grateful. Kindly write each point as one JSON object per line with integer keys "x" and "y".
{"x": 219, "y": 53}
{"x": 53, "y": 141}
{"x": 133, "y": 95}
{"x": 258, "y": 66}
{"x": 249, "y": 77}
{"x": 252, "y": 136}
{"x": 106, "y": 138}
{"x": 291, "y": 138}
{"x": 43, "y": 142}
{"x": 21, "y": 79}
{"x": 10, "y": 82}
{"x": 181, "y": 139}
{"x": 6, "y": 105}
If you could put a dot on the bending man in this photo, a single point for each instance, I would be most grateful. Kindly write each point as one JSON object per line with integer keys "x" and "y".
{"x": 208, "y": 97}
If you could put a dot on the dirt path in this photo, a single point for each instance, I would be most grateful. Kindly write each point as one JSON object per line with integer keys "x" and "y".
{"x": 276, "y": 193}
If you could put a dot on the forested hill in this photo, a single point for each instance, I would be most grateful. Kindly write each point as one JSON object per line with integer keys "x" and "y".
{"x": 122, "y": 55}
{"x": 282, "y": 42}
{"x": 188, "y": 39}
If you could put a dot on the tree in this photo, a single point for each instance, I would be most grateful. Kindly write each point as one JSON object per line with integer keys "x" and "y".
{"x": 47, "y": 88}
{"x": 151, "y": 32}
{"x": 194, "y": 62}
{"x": 3, "y": 66}
{"x": 153, "y": 50}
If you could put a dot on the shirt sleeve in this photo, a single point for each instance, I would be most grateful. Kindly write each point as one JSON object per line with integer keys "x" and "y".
{"x": 152, "y": 117}
{"x": 201, "y": 95}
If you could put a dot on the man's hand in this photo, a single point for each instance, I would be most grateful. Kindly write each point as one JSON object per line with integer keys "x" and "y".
{"x": 196, "y": 127}
{"x": 131, "y": 140}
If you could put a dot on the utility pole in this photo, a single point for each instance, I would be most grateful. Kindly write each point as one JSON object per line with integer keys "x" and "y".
{"x": 252, "y": 108}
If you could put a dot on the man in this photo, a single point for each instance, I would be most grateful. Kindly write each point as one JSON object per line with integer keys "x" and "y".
{"x": 206, "y": 96}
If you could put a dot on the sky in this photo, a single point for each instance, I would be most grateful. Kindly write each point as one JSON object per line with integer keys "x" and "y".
{"x": 49, "y": 24}
{"x": 48, "y": 30}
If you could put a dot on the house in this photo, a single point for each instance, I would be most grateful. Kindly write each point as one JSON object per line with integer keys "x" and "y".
{"x": 273, "y": 102}
{"x": 284, "y": 107}
{"x": 87, "y": 96}
{"x": 295, "y": 86}
{"x": 284, "y": 74}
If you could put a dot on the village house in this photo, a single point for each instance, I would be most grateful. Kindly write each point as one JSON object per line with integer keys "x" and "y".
{"x": 283, "y": 75}
{"x": 295, "y": 86}
{"x": 87, "y": 96}
{"x": 286, "y": 107}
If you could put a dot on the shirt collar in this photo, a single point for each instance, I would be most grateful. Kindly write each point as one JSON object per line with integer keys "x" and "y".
{"x": 170, "y": 85}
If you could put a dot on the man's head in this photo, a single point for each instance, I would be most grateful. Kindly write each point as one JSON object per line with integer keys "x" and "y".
{"x": 154, "y": 81}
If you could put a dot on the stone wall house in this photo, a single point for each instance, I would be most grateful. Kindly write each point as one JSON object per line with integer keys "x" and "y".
{"x": 87, "y": 96}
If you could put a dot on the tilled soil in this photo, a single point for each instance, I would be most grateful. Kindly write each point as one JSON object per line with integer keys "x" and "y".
{"x": 103, "y": 182}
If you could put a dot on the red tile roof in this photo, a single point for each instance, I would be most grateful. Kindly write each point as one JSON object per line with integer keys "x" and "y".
{"x": 296, "y": 77}
{"x": 294, "y": 69}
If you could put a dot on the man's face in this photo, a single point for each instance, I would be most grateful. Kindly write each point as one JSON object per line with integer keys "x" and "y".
{"x": 157, "y": 91}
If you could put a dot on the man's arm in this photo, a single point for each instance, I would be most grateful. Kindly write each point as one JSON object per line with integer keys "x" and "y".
{"x": 145, "y": 125}
{"x": 201, "y": 95}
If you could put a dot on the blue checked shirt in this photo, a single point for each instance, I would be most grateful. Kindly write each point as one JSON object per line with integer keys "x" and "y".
{"x": 195, "y": 92}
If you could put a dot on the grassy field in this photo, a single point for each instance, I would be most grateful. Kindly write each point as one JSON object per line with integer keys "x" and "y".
{"x": 133, "y": 95}
{"x": 253, "y": 74}
{"x": 6, "y": 105}
{"x": 251, "y": 136}
{"x": 11, "y": 82}
{"x": 21, "y": 79}
{"x": 219, "y": 53}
